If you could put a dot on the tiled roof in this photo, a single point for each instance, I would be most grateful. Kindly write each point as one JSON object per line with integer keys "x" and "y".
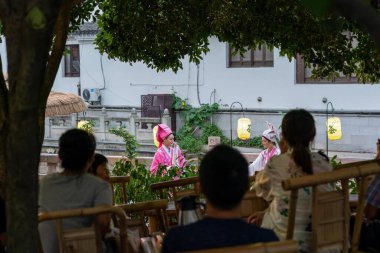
{"x": 89, "y": 28}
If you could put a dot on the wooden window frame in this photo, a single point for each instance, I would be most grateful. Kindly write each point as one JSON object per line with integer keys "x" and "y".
{"x": 248, "y": 63}
{"x": 302, "y": 79}
{"x": 69, "y": 57}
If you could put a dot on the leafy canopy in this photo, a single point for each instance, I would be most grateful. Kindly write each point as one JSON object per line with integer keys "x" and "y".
{"x": 161, "y": 33}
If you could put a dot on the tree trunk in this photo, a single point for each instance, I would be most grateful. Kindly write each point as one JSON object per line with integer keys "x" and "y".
{"x": 28, "y": 31}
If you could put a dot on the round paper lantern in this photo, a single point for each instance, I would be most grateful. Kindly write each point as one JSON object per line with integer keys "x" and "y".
{"x": 244, "y": 128}
{"x": 154, "y": 136}
{"x": 334, "y": 128}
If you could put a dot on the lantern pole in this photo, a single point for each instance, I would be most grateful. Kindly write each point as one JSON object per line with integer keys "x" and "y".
{"x": 327, "y": 127}
{"x": 231, "y": 118}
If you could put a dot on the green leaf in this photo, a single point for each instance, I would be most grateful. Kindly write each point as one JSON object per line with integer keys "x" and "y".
{"x": 318, "y": 8}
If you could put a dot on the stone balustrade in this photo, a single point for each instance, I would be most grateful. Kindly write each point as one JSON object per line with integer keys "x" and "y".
{"x": 140, "y": 127}
{"x": 49, "y": 163}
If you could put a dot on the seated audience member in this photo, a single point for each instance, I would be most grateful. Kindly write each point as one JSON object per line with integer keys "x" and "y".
{"x": 372, "y": 208}
{"x": 298, "y": 131}
{"x": 3, "y": 226}
{"x": 73, "y": 188}
{"x": 369, "y": 238}
{"x": 99, "y": 167}
{"x": 223, "y": 176}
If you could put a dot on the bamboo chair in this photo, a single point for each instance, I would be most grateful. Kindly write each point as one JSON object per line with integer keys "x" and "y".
{"x": 119, "y": 181}
{"x": 84, "y": 239}
{"x": 269, "y": 247}
{"x": 177, "y": 189}
{"x": 155, "y": 210}
{"x": 251, "y": 204}
{"x": 330, "y": 210}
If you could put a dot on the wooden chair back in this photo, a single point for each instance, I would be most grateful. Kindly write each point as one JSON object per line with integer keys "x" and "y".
{"x": 154, "y": 210}
{"x": 119, "y": 182}
{"x": 176, "y": 187}
{"x": 330, "y": 210}
{"x": 288, "y": 246}
{"x": 84, "y": 239}
{"x": 251, "y": 204}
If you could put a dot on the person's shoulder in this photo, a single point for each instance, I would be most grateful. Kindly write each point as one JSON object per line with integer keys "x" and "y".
{"x": 51, "y": 179}
{"x": 176, "y": 235}
{"x": 160, "y": 150}
{"x": 280, "y": 160}
{"x": 94, "y": 179}
{"x": 262, "y": 234}
{"x": 320, "y": 162}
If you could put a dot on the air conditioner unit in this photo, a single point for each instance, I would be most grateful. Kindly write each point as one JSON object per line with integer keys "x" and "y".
{"x": 91, "y": 95}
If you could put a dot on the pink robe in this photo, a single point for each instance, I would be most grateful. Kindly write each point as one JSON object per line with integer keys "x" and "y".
{"x": 162, "y": 157}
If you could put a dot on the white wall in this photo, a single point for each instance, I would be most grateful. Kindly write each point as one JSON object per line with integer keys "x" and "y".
{"x": 3, "y": 53}
{"x": 125, "y": 83}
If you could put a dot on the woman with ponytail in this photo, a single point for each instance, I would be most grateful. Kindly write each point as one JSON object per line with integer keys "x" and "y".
{"x": 298, "y": 132}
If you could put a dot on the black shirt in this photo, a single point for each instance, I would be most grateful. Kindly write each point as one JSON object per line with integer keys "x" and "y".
{"x": 214, "y": 233}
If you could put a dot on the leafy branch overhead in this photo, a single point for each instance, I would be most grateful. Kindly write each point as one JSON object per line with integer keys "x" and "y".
{"x": 163, "y": 32}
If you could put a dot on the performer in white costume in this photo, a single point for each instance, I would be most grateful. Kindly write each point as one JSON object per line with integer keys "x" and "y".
{"x": 269, "y": 141}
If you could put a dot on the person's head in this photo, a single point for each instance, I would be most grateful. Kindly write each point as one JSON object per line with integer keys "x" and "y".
{"x": 164, "y": 135}
{"x": 298, "y": 131}
{"x": 223, "y": 176}
{"x": 76, "y": 150}
{"x": 99, "y": 166}
{"x": 168, "y": 141}
{"x": 268, "y": 138}
{"x": 267, "y": 143}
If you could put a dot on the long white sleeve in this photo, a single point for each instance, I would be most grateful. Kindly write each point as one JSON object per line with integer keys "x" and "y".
{"x": 257, "y": 164}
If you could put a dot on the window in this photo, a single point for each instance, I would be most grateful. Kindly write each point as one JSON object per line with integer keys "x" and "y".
{"x": 261, "y": 57}
{"x": 303, "y": 75}
{"x": 72, "y": 61}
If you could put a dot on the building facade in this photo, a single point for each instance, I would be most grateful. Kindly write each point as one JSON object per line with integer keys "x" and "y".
{"x": 266, "y": 85}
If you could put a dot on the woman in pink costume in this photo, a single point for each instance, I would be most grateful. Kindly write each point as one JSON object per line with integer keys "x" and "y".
{"x": 168, "y": 152}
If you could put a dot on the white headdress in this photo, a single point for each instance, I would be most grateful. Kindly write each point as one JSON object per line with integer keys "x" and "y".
{"x": 270, "y": 133}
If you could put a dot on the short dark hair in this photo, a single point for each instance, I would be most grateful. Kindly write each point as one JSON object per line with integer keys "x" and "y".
{"x": 223, "y": 176}
{"x": 76, "y": 147}
{"x": 98, "y": 160}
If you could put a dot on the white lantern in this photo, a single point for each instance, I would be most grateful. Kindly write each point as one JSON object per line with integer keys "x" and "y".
{"x": 244, "y": 129}
{"x": 334, "y": 128}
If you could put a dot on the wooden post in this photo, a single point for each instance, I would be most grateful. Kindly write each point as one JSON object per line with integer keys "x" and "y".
{"x": 292, "y": 214}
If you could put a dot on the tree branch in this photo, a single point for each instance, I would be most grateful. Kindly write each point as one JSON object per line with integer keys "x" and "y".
{"x": 59, "y": 41}
{"x": 361, "y": 13}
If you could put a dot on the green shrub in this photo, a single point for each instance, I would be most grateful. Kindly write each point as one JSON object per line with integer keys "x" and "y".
{"x": 190, "y": 144}
{"x": 212, "y": 130}
{"x": 138, "y": 189}
{"x": 254, "y": 142}
{"x": 129, "y": 140}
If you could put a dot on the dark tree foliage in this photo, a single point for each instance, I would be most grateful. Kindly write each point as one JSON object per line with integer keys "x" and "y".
{"x": 161, "y": 33}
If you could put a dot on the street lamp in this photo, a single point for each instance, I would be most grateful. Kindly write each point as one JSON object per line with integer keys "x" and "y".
{"x": 243, "y": 127}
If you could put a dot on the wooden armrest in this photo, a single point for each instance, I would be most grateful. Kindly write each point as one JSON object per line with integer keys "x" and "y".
{"x": 119, "y": 179}
{"x": 174, "y": 183}
{"x": 147, "y": 205}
